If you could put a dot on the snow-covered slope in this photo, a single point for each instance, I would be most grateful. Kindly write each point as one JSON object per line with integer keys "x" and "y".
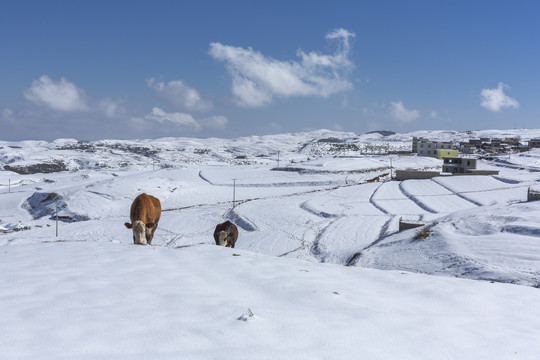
{"x": 299, "y": 200}
{"x": 497, "y": 243}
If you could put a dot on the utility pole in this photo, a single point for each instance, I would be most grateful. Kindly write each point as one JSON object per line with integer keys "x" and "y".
{"x": 278, "y": 158}
{"x": 57, "y": 217}
{"x": 9, "y": 186}
{"x": 391, "y": 176}
{"x": 234, "y": 194}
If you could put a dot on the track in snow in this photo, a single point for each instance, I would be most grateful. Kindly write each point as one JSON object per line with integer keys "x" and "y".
{"x": 415, "y": 200}
{"x": 372, "y": 201}
{"x": 459, "y": 194}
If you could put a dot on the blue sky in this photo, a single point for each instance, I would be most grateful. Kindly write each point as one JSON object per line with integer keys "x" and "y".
{"x": 145, "y": 69}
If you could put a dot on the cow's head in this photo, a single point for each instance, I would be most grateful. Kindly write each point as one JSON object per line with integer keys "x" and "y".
{"x": 223, "y": 239}
{"x": 139, "y": 231}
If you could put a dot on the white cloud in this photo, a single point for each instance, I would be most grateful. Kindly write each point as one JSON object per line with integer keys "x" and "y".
{"x": 341, "y": 34}
{"x": 399, "y": 112}
{"x": 257, "y": 78}
{"x": 248, "y": 93}
{"x": 496, "y": 99}
{"x": 434, "y": 114}
{"x": 215, "y": 122}
{"x": 180, "y": 95}
{"x": 162, "y": 117}
{"x": 62, "y": 95}
{"x": 112, "y": 108}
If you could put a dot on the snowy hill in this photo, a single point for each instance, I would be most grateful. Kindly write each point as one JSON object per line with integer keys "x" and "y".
{"x": 306, "y": 204}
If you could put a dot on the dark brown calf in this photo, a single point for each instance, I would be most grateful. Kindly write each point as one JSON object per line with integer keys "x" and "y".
{"x": 144, "y": 214}
{"x": 226, "y": 234}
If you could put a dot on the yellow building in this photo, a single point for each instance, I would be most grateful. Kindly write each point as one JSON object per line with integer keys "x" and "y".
{"x": 440, "y": 153}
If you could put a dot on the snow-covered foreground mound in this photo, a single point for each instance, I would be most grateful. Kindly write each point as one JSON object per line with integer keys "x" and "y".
{"x": 83, "y": 300}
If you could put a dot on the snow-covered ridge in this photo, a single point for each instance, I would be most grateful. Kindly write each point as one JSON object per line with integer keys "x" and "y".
{"x": 71, "y": 154}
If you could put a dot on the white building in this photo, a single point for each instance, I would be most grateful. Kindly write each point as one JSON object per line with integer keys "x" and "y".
{"x": 429, "y": 148}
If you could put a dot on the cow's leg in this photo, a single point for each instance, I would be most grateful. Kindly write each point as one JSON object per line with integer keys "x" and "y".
{"x": 150, "y": 233}
{"x": 149, "y": 236}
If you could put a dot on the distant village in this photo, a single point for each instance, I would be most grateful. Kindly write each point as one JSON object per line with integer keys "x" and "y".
{"x": 485, "y": 147}
{"x": 473, "y": 149}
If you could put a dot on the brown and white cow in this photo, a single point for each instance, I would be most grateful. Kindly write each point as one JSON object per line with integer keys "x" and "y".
{"x": 145, "y": 213}
{"x": 226, "y": 234}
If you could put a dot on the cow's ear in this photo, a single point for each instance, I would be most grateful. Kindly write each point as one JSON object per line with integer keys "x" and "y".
{"x": 128, "y": 225}
{"x": 149, "y": 225}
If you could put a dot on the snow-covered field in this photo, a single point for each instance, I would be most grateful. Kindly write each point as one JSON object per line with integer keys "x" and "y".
{"x": 283, "y": 292}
